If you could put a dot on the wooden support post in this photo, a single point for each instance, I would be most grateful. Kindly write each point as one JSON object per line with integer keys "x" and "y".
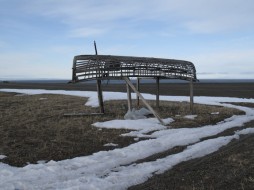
{"x": 129, "y": 97}
{"x": 100, "y": 97}
{"x": 191, "y": 96}
{"x": 74, "y": 71}
{"x": 95, "y": 48}
{"x": 128, "y": 82}
{"x": 158, "y": 91}
{"x": 138, "y": 89}
{"x": 99, "y": 90}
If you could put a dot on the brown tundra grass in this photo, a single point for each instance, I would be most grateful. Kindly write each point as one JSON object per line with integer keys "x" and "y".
{"x": 34, "y": 128}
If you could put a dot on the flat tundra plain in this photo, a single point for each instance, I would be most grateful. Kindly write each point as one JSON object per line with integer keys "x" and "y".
{"x": 34, "y": 131}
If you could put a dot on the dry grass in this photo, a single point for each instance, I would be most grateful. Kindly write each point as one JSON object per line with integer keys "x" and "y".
{"x": 33, "y": 128}
{"x": 205, "y": 113}
{"x": 231, "y": 167}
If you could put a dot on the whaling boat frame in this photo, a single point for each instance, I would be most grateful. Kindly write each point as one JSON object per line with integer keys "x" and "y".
{"x": 108, "y": 67}
{"x": 101, "y": 67}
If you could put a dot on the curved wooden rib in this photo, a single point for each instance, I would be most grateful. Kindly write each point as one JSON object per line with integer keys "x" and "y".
{"x": 99, "y": 67}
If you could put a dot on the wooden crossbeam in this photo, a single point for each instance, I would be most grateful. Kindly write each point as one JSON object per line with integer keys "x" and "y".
{"x": 128, "y": 82}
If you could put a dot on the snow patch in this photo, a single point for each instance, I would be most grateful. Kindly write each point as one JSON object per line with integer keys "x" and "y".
{"x": 114, "y": 169}
{"x": 2, "y": 157}
{"x": 137, "y": 114}
{"x": 190, "y": 117}
{"x": 110, "y": 144}
{"x": 41, "y": 161}
{"x": 245, "y": 131}
{"x": 215, "y": 113}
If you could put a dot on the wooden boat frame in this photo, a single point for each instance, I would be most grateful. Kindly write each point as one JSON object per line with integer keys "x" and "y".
{"x": 101, "y": 67}
{"x": 108, "y": 67}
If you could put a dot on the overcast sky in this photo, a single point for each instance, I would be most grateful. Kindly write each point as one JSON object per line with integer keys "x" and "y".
{"x": 39, "y": 38}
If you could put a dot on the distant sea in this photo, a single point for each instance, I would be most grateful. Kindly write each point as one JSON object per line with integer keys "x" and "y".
{"x": 142, "y": 81}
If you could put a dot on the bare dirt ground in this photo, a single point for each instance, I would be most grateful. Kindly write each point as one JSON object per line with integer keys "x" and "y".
{"x": 33, "y": 128}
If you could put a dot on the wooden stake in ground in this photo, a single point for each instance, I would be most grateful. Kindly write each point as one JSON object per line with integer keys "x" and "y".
{"x": 99, "y": 90}
{"x": 158, "y": 91}
{"x": 100, "y": 98}
{"x": 128, "y": 82}
{"x": 138, "y": 88}
{"x": 191, "y": 96}
{"x": 129, "y": 97}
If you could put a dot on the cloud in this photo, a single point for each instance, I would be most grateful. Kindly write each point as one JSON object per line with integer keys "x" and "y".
{"x": 77, "y": 12}
{"x": 197, "y": 16}
{"x": 212, "y": 16}
{"x": 142, "y": 28}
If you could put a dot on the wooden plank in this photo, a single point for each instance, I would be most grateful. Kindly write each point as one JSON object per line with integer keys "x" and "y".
{"x": 129, "y": 97}
{"x": 127, "y": 80}
{"x": 100, "y": 97}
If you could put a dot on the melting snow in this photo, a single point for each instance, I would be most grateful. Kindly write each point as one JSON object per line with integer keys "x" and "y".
{"x": 41, "y": 162}
{"x": 116, "y": 169}
{"x": 137, "y": 114}
{"x": 190, "y": 116}
{"x": 110, "y": 144}
{"x": 2, "y": 157}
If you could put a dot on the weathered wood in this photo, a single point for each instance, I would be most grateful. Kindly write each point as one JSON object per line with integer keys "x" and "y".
{"x": 128, "y": 82}
{"x": 138, "y": 88}
{"x": 74, "y": 71}
{"x": 100, "y": 96}
{"x": 95, "y": 48}
{"x": 191, "y": 96}
{"x": 99, "y": 90}
{"x": 129, "y": 97}
{"x": 157, "y": 91}
{"x": 106, "y": 67}
{"x": 88, "y": 67}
